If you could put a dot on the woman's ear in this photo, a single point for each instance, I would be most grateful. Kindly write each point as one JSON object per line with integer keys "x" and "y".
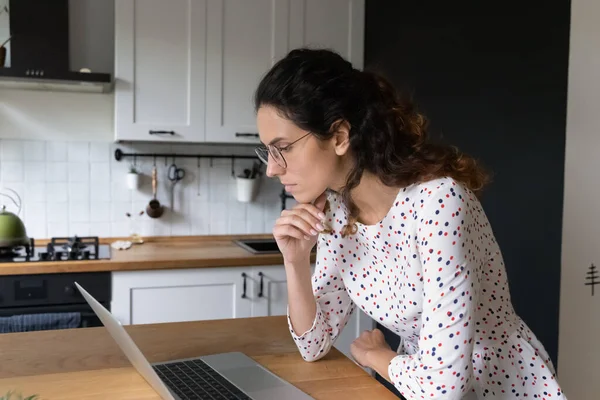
{"x": 341, "y": 137}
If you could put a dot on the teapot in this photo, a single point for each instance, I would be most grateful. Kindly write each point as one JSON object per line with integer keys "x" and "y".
{"x": 12, "y": 228}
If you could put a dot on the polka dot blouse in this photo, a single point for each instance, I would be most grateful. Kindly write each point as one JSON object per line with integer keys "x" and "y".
{"x": 432, "y": 272}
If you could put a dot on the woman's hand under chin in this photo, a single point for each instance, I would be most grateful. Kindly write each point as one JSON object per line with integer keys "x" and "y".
{"x": 371, "y": 350}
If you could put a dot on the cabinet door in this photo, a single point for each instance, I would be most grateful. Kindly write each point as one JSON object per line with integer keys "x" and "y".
{"x": 244, "y": 39}
{"x": 160, "y": 49}
{"x": 143, "y": 297}
{"x": 335, "y": 24}
{"x": 270, "y": 286}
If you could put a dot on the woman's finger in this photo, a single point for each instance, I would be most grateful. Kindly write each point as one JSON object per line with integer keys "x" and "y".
{"x": 280, "y": 231}
{"x": 298, "y": 222}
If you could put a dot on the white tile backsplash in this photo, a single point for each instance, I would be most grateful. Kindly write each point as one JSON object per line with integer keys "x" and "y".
{"x": 79, "y": 188}
{"x": 56, "y": 151}
{"x": 56, "y": 171}
{"x": 35, "y": 150}
{"x": 78, "y": 152}
{"x": 13, "y": 171}
{"x": 11, "y": 150}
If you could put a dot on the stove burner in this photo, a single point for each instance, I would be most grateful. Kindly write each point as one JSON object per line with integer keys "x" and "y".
{"x": 62, "y": 249}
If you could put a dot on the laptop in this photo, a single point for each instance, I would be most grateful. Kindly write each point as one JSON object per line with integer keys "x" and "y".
{"x": 228, "y": 376}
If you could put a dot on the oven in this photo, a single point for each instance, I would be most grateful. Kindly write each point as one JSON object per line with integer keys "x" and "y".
{"x": 51, "y": 301}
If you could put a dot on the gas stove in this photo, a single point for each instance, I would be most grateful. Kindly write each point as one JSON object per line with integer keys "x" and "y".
{"x": 58, "y": 249}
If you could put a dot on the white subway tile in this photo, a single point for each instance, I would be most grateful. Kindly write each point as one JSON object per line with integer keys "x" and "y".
{"x": 100, "y": 191}
{"x": 100, "y": 229}
{"x": 35, "y": 151}
{"x": 58, "y": 192}
{"x": 78, "y": 188}
{"x": 79, "y": 191}
{"x": 35, "y": 192}
{"x": 11, "y": 150}
{"x": 35, "y": 171}
{"x": 56, "y": 171}
{"x": 118, "y": 211}
{"x": 78, "y": 152}
{"x": 57, "y": 213}
{"x": 38, "y": 230}
{"x": 12, "y": 171}
{"x": 56, "y": 151}
{"x": 79, "y": 171}
{"x": 119, "y": 229}
{"x": 57, "y": 229}
{"x": 79, "y": 211}
{"x": 100, "y": 211}
{"x": 120, "y": 192}
{"x": 100, "y": 171}
{"x": 100, "y": 152}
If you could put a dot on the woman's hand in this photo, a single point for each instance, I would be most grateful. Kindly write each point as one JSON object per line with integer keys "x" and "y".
{"x": 296, "y": 230}
{"x": 371, "y": 350}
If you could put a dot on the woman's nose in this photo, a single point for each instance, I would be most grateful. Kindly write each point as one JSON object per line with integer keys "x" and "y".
{"x": 273, "y": 169}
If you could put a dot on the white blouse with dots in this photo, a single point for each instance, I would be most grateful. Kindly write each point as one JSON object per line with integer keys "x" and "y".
{"x": 432, "y": 272}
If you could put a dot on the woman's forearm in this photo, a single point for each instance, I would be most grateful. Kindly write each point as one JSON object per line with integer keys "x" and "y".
{"x": 301, "y": 301}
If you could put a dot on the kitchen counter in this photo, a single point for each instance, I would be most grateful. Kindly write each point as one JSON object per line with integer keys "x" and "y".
{"x": 158, "y": 253}
{"x": 86, "y": 363}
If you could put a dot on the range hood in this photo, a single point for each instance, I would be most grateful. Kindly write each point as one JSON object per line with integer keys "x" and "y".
{"x": 39, "y": 51}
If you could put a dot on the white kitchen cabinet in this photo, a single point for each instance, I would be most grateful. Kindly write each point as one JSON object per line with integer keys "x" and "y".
{"x": 186, "y": 71}
{"x": 335, "y": 24}
{"x": 157, "y": 296}
{"x": 160, "y": 61}
{"x": 244, "y": 39}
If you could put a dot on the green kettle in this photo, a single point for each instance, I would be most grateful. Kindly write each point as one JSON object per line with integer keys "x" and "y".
{"x": 12, "y": 229}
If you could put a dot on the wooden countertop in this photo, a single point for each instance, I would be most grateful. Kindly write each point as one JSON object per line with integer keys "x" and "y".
{"x": 158, "y": 253}
{"x": 86, "y": 363}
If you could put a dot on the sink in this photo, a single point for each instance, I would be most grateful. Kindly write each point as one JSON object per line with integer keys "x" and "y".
{"x": 258, "y": 246}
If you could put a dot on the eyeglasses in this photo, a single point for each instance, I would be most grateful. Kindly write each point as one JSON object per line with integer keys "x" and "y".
{"x": 270, "y": 150}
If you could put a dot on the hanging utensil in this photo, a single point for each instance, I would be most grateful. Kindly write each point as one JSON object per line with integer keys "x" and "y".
{"x": 174, "y": 174}
{"x": 154, "y": 209}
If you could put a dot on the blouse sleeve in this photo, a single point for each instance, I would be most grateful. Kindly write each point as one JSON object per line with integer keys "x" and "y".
{"x": 448, "y": 241}
{"x": 334, "y": 306}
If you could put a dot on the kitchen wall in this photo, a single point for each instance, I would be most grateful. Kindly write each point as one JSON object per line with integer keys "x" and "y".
{"x": 494, "y": 83}
{"x": 579, "y": 352}
{"x": 78, "y": 188}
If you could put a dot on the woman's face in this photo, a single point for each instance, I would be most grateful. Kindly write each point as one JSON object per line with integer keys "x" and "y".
{"x": 313, "y": 165}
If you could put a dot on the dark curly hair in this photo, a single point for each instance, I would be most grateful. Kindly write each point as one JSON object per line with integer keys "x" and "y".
{"x": 317, "y": 88}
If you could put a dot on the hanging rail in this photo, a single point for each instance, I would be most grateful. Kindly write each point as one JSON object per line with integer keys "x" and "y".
{"x": 119, "y": 155}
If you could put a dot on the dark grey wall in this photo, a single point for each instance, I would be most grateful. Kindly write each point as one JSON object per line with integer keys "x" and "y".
{"x": 493, "y": 80}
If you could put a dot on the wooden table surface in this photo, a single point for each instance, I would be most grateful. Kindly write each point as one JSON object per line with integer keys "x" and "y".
{"x": 158, "y": 253}
{"x": 86, "y": 363}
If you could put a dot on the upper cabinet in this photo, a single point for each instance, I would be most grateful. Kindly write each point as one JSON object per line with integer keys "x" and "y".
{"x": 333, "y": 24}
{"x": 160, "y": 62}
{"x": 244, "y": 39}
{"x": 186, "y": 70}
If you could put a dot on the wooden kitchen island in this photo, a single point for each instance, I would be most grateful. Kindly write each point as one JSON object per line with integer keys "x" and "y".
{"x": 87, "y": 364}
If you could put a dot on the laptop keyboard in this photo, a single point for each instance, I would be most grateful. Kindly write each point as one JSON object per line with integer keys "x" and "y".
{"x": 194, "y": 379}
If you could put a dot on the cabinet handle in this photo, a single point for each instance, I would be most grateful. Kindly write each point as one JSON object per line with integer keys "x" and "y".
{"x": 244, "y": 285}
{"x": 260, "y": 292}
{"x": 238, "y": 134}
{"x": 161, "y": 132}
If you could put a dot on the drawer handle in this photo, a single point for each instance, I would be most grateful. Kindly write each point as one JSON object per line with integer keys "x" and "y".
{"x": 244, "y": 285}
{"x": 260, "y": 292}
{"x": 254, "y": 135}
{"x": 162, "y": 132}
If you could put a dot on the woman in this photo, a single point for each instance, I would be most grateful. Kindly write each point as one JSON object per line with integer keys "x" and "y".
{"x": 400, "y": 232}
